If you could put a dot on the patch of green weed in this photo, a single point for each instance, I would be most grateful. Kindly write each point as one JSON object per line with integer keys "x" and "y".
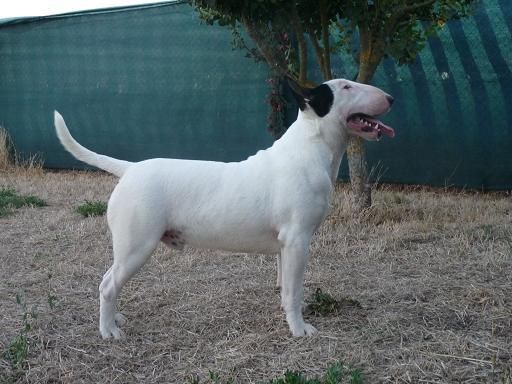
{"x": 335, "y": 374}
{"x": 17, "y": 351}
{"x": 323, "y": 304}
{"x": 92, "y": 208}
{"x": 10, "y": 200}
{"x": 52, "y": 300}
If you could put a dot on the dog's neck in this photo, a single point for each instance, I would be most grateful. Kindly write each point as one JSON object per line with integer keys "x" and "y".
{"x": 324, "y": 136}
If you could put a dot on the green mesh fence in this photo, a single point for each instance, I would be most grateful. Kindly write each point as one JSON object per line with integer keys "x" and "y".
{"x": 153, "y": 82}
{"x": 133, "y": 83}
{"x": 453, "y": 107}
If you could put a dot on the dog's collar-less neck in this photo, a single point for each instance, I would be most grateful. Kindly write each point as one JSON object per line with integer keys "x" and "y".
{"x": 336, "y": 140}
{"x": 327, "y": 132}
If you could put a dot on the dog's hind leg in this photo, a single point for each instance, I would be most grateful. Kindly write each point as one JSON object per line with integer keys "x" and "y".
{"x": 129, "y": 256}
{"x": 279, "y": 269}
{"x": 294, "y": 256}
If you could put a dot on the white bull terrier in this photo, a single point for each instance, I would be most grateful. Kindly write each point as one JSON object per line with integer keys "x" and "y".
{"x": 272, "y": 202}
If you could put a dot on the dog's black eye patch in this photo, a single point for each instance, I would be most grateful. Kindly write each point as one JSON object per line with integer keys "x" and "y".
{"x": 320, "y": 99}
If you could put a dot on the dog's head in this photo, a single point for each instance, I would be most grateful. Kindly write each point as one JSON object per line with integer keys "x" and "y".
{"x": 354, "y": 106}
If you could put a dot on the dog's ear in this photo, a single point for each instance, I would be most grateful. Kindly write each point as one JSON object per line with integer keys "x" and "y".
{"x": 319, "y": 98}
{"x": 301, "y": 94}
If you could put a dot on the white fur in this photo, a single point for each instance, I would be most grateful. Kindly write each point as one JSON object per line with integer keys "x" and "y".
{"x": 272, "y": 202}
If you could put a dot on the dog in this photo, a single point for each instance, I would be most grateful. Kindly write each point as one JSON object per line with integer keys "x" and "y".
{"x": 271, "y": 203}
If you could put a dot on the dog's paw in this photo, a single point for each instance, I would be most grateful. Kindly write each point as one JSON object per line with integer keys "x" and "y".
{"x": 120, "y": 319}
{"x": 111, "y": 332}
{"x": 303, "y": 329}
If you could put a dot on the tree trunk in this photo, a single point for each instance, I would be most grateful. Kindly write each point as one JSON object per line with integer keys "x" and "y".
{"x": 370, "y": 57}
{"x": 301, "y": 42}
{"x": 358, "y": 171}
{"x": 325, "y": 40}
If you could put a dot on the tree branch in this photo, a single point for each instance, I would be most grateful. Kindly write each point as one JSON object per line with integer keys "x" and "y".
{"x": 414, "y": 7}
{"x": 325, "y": 39}
{"x": 318, "y": 52}
{"x": 303, "y": 49}
{"x": 254, "y": 30}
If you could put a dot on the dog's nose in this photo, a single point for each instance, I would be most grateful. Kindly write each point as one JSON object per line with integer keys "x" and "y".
{"x": 390, "y": 99}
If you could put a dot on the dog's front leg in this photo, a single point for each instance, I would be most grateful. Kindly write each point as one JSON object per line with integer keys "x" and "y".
{"x": 279, "y": 269}
{"x": 294, "y": 256}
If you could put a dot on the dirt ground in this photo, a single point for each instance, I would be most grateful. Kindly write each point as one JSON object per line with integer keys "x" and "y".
{"x": 428, "y": 275}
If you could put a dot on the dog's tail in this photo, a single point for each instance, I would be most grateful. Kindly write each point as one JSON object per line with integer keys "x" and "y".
{"x": 109, "y": 164}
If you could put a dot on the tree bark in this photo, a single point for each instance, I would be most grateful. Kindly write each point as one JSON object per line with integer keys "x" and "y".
{"x": 303, "y": 48}
{"x": 358, "y": 172}
{"x": 259, "y": 34}
{"x": 319, "y": 53}
{"x": 325, "y": 40}
{"x": 371, "y": 54}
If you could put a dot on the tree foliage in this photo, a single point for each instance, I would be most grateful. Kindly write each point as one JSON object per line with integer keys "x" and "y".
{"x": 268, "y": 21}
{"x": 395, "y": 28}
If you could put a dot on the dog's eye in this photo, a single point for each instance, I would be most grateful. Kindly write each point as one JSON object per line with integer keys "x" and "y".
{"x": 347, "y": 86}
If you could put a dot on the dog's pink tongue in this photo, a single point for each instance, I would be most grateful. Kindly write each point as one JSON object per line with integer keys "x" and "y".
{"x": 386, "y": 130}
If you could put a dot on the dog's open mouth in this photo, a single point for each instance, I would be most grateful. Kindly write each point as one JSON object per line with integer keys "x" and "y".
{"x": 368, "y": 127}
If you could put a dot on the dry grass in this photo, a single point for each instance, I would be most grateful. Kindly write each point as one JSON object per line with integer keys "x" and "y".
{"x": 12, "y": 161}
{"x": 5, "y": 150}
{"x": 424, "y": 278}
